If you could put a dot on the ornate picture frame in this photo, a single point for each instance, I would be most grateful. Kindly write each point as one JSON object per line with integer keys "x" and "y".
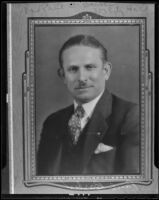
{"x": 146, "y": 100}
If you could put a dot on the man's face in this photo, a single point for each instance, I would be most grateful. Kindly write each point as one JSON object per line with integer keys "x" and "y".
{"x": 85, "y": 72}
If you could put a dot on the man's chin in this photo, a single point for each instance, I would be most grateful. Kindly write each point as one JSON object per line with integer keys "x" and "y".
{"x": 83, "y": 99}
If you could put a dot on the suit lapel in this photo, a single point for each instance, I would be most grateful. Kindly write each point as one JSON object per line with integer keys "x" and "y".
{"x": 63, "y": 138}
{"x": 97, "y": 127}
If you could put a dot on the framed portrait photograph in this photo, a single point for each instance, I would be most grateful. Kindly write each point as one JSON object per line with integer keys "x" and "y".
{"x": 81, "y": 98}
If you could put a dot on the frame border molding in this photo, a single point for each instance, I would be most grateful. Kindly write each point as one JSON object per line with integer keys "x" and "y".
{"x": 145, "y": 88}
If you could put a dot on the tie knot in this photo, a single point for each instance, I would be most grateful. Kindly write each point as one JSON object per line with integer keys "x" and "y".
{"x": 80, "y": 111}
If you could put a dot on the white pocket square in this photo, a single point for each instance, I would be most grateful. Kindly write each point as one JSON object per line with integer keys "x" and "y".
{"x": 102, "y": 148}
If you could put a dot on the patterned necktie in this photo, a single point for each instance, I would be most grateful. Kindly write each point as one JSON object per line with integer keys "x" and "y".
{"x": 75, "y": 123}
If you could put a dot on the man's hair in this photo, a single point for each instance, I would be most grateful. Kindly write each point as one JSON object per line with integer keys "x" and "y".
{"x": 84, "y": 40}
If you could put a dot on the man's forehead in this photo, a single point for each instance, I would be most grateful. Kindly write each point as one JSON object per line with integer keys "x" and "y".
{"x": 86, "y": 53}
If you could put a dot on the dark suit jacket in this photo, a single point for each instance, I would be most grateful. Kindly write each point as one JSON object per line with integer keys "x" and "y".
{"x": 115, "y": 122}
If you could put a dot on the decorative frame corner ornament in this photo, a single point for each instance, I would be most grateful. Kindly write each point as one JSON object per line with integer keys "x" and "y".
{"x": 146, "y": 76}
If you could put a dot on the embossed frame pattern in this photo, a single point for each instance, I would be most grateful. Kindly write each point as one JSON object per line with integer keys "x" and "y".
{"x": 95, "y": 181}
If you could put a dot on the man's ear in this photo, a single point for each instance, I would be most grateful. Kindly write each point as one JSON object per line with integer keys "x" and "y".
{"x": 60, "y": 73}
{"x": 108, "y": 69}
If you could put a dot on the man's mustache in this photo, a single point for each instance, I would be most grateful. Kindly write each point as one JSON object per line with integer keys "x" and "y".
{"x": 82, "y": 85}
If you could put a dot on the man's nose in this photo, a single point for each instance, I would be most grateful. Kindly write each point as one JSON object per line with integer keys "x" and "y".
{"x": 82, "y": 75}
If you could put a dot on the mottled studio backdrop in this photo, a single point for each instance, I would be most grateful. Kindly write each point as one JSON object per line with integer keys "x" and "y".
{"x": 122, "y": 43}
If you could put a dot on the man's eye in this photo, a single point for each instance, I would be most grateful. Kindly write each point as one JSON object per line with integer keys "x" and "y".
{"x": 73, "y": 69}
{"x": 90, "y": 67}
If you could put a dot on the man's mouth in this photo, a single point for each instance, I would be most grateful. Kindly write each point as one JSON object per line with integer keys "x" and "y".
{"x": 82, "y": 87}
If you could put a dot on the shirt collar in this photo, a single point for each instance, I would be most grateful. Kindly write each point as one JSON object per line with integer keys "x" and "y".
{"x": 89, "y": 107}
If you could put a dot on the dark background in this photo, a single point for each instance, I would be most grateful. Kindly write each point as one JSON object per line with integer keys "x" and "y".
{"x": 122, "y": 43}
{"x": 4, "y": 111}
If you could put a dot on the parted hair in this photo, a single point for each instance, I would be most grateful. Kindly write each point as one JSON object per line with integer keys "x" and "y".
{"x": 84, "y": 40}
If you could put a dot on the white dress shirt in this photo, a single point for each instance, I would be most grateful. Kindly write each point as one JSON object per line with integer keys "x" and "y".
{"x": 88, "y": 108}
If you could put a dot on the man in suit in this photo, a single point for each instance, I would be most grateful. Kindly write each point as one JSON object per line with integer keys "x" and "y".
{"x": 99, "y": 133}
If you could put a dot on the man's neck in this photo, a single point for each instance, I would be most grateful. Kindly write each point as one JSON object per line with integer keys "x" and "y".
{"x": 89, "y": 106}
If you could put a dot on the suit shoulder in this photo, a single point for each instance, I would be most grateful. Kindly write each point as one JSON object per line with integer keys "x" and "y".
{"x": 59, "y": 115}
{"x": 125, "y": 111}
{"x": 130, "y": 113}
{"x": 124, "y": 105}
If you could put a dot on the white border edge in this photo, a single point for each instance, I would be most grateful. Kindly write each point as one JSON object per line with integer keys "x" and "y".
{"x": 10, "y": 99}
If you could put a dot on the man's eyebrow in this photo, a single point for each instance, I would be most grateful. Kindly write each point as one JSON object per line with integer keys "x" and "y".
{"x": 90, "y": 64}
{"x": 73, "y": 65}
{"x": 85, "y": 65}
